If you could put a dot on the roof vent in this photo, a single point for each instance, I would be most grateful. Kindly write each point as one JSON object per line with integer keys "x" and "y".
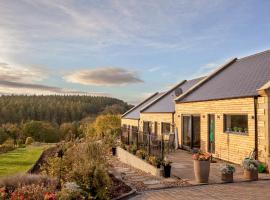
{"x": 178, "y": 92}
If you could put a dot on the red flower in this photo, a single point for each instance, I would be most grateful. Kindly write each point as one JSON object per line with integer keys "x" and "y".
{"x": 49, "y": 196}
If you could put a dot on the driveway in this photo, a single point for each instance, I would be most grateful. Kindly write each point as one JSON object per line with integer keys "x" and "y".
{"x": 259, "y": 190}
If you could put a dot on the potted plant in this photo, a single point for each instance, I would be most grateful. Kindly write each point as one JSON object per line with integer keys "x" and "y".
{"x": 250, "y": 166}
{"x": 167, "y": 168}
{"x": 114, "y": 150}
{"x": 201, "y": 166}
{"x": 227, "y": 171}
{"x": 133, "y": 149}
{"x": 141, "y": 153}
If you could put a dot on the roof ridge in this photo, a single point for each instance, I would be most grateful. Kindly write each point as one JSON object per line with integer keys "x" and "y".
{"x": 163, "y": 95}
{"x": 256, "y": 54}
{"x": 207, "y": 78}
{"x": 144, "y": 101}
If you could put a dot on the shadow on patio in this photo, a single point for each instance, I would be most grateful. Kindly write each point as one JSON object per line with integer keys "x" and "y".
{"x": 182, "y": 167}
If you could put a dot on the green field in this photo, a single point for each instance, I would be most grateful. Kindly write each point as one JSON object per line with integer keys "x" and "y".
{"x": 20, "y": 159}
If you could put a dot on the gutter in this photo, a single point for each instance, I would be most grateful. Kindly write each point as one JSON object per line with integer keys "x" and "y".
{"x": 256, "y": 127}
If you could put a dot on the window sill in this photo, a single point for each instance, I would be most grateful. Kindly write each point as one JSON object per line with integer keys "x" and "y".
{"x": 236, "y": 133}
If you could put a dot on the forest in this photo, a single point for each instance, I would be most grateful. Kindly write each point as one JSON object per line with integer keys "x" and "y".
{"x": 57, "y": 109}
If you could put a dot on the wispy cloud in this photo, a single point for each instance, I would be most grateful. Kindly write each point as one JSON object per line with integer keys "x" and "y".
{"x": 93, "y": 26}
{"x": 154, "y": 69}
{"x": 16, "y": 79}
{"x": 109, "y": 76}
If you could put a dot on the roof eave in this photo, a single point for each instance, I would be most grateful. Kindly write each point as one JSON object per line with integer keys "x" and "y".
{"x": 130, "y": 110}
{"x": 162, "y": 96}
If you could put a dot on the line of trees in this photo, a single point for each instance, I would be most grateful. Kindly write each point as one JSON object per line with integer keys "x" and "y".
{"x": 57, "y": 109}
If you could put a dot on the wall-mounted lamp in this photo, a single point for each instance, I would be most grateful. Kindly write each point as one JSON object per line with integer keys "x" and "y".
{"x": 252, "y": 117}
{"x": 203, "y": 116}
{"x": 218, "y": 116}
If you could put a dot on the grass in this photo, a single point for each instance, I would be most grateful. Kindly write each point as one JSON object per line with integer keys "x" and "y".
{"x": 19, "y": 160}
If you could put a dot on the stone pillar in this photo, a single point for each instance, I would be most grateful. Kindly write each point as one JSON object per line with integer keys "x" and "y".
{"x": 264, "y": 92}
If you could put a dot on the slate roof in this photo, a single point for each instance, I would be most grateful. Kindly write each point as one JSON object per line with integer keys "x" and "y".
{"x": 241, "y": 78}
{"x": 165, "y": 103}
{"x": 134, "y": 113}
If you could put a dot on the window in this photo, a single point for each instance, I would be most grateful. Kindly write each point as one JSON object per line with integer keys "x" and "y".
{"x": 236, "y": 123}
{"x": 146, "y": 127}
{"x": 165, "y": 127}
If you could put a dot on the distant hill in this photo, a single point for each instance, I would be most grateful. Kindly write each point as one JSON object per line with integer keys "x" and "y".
{"x": 59, "y": 109}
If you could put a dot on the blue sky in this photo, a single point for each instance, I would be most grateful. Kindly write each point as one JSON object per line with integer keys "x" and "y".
{"x": 126, "y": 49}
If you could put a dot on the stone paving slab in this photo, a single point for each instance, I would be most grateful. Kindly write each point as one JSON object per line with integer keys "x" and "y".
{"x": 259, "y": 190}
{"x": 140, "y": 180}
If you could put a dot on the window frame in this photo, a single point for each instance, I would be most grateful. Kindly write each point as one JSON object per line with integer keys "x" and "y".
{"x": 167, "y": 123}
{"x": 232, "y": 131}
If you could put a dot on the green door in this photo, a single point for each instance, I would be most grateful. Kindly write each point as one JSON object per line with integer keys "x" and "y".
{"x": 211, "y": 133}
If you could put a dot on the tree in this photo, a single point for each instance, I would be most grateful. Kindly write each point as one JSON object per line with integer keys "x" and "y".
{"x": 3, "y": 136}
{"x": 12, "y": 131}
{"x": 41, "y": 131}
{"x": 69, "y": 131}
{"x": 107, "y": 125}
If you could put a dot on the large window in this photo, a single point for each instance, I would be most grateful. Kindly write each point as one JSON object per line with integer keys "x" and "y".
{"x": 236, "y": 123}
{"x": 165, "y": 127}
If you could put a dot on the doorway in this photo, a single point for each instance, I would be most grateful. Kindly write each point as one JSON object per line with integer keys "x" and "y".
{"x": 191, "y": 129}
{"x": 211, "y": 133}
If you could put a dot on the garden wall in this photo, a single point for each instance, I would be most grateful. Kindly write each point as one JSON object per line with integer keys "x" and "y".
{"x": 130, "y": 159}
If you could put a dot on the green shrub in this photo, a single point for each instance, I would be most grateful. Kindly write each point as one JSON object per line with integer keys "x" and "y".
{"x": 29, "y": 140}
{"x": 84, "y": 164}
{"x": 261, "y": 168}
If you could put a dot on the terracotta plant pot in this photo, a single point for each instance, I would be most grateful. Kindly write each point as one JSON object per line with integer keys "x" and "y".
{"x": 201, "y": 171}
{"x": 167, "y": 171}
{"x": 251, "y": 175}
{"x": 113, "y": 151}
{"x": 227, "y": 178}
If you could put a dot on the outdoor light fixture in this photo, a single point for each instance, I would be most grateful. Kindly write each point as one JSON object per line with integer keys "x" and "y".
{"x": 218, "y": 116}
{"x": 252, "y": 117}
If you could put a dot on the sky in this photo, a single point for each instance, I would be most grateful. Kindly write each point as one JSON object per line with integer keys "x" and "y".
{"x": 126, "y": 49}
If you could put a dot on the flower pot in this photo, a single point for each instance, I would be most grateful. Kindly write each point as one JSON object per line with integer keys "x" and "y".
{"x": 167, "y": 171}
{"x": 113, "y": 151}
{"x": 227, "y": 178}
{"x": 201, "y": 170}
{"x": 251, "y": 175}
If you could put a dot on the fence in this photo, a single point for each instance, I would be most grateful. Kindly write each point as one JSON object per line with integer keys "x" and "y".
{"x": 155, "y": 145}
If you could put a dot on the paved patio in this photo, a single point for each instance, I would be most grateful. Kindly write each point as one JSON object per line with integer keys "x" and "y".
{"x": 182, "y": 167}
{"x": 258, "y": 190}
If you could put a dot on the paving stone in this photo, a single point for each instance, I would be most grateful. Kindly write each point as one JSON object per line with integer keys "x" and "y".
{"x": 151, "y": 182}
{"x": 258, "y": 190}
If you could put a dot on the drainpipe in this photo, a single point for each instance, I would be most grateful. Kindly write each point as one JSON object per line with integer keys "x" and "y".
{"x": 256, "y": 127}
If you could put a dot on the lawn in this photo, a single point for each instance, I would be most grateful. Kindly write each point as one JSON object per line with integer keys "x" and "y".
{"x": 20, "y": 159}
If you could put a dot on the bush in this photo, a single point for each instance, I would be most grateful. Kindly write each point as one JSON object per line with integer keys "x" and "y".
{"x": 29, "y": 140}
{"x": 37, "y": 192}
{"x": 84, "y": 164}
{"x": 8, "y": 145}
{"x": 19, "y": 180}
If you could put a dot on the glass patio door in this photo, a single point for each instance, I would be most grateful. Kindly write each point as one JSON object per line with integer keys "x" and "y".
{"x": 191, "y": 130}
{"x": 186, "y": 137}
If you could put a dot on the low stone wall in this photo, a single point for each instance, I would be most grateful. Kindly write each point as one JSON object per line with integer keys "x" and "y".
{"x": 130, "y": 159}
